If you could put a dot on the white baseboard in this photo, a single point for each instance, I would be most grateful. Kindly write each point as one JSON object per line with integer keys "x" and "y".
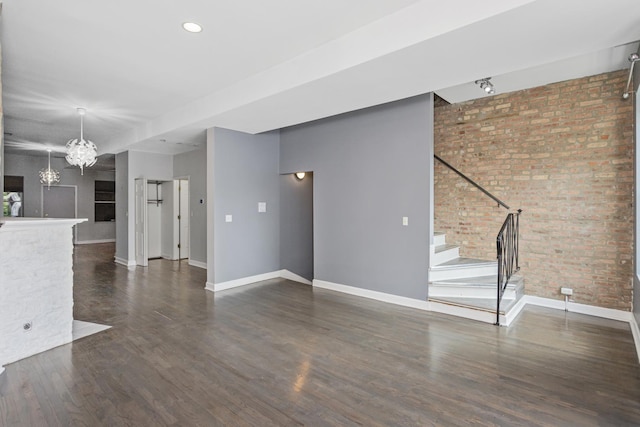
{"x": 635, "y": 331}
{"x": 285, "y": 274}
{"x": 241, "y": 282}
{"x": 436, "y": 307}
{"x": 91, "y": 242}
{"x": 513, "y": 313}
{"x": 198, "y": 264}
{"x": 366, "y": 293}
{"x": 607, "y": 313}
{"x": 573, "y": 307}
{"x": 126, "y": 263}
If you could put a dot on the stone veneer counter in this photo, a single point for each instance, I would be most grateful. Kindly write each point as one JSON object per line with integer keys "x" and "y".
{"x": 36, "y": 281}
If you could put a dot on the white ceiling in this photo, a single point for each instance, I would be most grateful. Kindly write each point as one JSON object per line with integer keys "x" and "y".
{"x": 260, "y": 65}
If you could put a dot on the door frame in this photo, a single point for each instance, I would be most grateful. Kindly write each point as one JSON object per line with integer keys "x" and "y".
{"x": 177, "y": 222}
{"x": 140, "y": 227}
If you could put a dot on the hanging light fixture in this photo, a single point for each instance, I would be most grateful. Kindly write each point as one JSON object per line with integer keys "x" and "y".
{"x": 49, "y": 176}
{"x": 80, "y": 152}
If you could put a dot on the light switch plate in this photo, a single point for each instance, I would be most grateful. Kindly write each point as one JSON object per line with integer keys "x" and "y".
{"x": 228, "y": 218}
{"x": 262, "y": 207}
{"x": 405, "y": 220}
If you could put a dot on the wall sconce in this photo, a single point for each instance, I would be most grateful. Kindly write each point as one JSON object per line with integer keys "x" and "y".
{"x": 300, "y": 175}
{"x": 486, "y": 85}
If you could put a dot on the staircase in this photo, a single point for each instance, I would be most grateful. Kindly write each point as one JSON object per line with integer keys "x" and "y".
{"x": 467, "y": 287}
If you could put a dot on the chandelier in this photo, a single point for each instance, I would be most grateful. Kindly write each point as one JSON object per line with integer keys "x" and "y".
{"x": 81, "y": 152}
{"x": 49, "y": 176}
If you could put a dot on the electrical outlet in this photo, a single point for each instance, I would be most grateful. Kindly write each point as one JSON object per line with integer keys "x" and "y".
{"x": 566, "y": 291}
{"x": 28, "y": 326}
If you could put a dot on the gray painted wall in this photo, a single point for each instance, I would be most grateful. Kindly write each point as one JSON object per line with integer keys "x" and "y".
{"x": 245, "y": 172}
{"x": 29, "y": 166}
{"x": 371, "y": 167}
{"x": 194, "y": 165}
{"x": 296, "y": 224}
{"x": 122, "y": 209}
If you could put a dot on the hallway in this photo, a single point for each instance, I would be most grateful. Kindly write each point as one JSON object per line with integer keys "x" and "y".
{"x": 281, "y": 353}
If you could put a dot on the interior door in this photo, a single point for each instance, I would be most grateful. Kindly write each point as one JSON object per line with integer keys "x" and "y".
{"x": 184, "y": 218}
{"x": 142, "y": 248}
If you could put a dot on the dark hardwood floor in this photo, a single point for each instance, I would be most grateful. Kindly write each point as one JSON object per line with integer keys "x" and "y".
{"x": 281, "y": 353}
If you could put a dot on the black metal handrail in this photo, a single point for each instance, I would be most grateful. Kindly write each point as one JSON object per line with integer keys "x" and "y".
{"x": 472, "y": 182}
{"x": 507, "y": 244}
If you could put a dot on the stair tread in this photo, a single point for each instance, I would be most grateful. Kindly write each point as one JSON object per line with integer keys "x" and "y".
{"x": 491, "y": 280}
{"x": 464, "y": 263}
{"x": 445, "y": 247}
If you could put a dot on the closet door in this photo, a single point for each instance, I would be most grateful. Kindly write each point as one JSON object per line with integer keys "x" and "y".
{"x": 184, "y": 218}
{"x": 142, "y": 250}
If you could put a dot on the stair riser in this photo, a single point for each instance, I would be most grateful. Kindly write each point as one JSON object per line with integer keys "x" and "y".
{"x": 444, "y": 256}
{"x": 468, "y": 292}
{"x": 439, "y": 239}
{"x": 461, "y": 273}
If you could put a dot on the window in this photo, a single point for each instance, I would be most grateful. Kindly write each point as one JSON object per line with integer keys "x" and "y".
{"x": 105, "y": 201}
{"x": 12, "y": 196}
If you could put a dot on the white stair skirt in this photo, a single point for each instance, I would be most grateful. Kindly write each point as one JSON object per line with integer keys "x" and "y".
{"x": 467, "y": 287}
{"x": 445, "y": 253}
{"x": 475, "y": 287}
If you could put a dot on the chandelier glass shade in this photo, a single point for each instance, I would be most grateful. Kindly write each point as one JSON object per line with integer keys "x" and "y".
{"x": 49, "y": 176}
{"x": 81, "y": 152}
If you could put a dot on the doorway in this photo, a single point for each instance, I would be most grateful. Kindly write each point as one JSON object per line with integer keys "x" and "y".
{"x": 162, "y": 219}
{"x": 296, "y": 225}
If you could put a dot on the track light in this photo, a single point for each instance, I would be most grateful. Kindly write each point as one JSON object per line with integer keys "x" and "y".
{"x": 486, "y": 85}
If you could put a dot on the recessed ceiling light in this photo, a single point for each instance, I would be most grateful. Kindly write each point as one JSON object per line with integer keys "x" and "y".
{"x": 192, "y": 27}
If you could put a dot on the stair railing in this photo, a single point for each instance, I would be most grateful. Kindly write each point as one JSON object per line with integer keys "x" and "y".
{"x": 506, "y": 242}
{"x": 508, "y": 263}
{"x": 472, "y": 182}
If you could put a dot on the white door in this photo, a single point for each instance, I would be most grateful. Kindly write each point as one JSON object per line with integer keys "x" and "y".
{"x": 184, "y": 218}
{"x": 142, "y": 249}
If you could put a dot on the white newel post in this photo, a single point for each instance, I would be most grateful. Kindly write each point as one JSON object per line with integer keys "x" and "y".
{"x": 36, "y": 286}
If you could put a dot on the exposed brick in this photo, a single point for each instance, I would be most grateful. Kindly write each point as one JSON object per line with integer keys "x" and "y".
{"x": 565, "y": 156}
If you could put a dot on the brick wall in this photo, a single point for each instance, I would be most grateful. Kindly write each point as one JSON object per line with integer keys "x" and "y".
{"x": 36, "y": 279}
{"x": 564, "y": 154}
